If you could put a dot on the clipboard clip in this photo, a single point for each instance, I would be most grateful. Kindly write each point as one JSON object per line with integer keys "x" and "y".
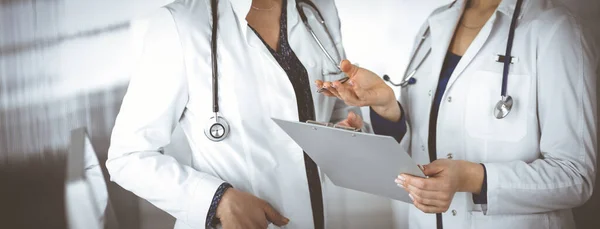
{"x": 333, "y": 125}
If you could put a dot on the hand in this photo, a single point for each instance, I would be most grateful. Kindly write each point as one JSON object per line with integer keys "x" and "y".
{"x": 352, "y": 120}
{"x": 240, "y": 210}
{"x": 446, "y": 177}
{"x": 364, "y": 88}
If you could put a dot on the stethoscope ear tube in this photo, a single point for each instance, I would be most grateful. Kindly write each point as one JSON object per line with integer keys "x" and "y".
{"x": 217, "y": 127}
{"x": 213, "y": 57}
{"x": 505, "y": 105}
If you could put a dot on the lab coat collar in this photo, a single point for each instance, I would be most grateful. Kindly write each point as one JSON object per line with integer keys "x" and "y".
{"x": 506, "y": 7}
{"x": 241, "y": 8}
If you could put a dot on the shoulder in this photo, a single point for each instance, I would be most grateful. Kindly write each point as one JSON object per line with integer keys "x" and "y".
{"x": 556, "y": 29}
{"x": 175, "y": 18}
{"x": 551, "y": 17}
{"x": 327, "y": 8}
{"x": 436, "y": 11}
{"x": 444, "y": 8}
{"x": 191, "y": 12}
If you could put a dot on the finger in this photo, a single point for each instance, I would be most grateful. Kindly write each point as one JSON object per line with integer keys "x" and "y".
{"x": 319, "y": 83}
{"x": 334, "y": 91}
{"x": 430, "y": 195}
{"x": 344, "y": 123}
{"x": 274, "y": 217}
{"x": 349, "y": 68}
{"x": 329, "y": 87}
{"x": 320, "y": 89}
{"x": 327, "y": 93}
{"x": 354, "y": 120}
{"x": 434, "y": 167}
{"x": 427, "y": 209}
{"x": 347, "y": 94}
{"x": 429, "y": 202}
{"x": 429, "y": 198}
{"x": 428, "y": 184}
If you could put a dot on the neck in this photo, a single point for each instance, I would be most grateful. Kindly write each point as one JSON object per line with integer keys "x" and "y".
{"x": 483, "y": 4}
{"x": 264, "y": 3}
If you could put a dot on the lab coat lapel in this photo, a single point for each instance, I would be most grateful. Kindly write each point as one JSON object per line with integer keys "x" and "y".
{"x": 472, "y": 51}
{"x": 442, "y": 28}
{"x": 310, "y": 55}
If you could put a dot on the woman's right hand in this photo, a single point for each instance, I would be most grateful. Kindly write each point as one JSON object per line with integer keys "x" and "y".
{"x": 364, "y": 88}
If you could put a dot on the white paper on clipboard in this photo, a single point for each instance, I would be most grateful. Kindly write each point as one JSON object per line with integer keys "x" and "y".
{"x": 354, "y": 160}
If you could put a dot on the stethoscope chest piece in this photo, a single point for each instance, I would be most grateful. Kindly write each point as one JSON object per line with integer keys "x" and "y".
{"x": 503, "y": 107}
{"x": 217, "y": 129}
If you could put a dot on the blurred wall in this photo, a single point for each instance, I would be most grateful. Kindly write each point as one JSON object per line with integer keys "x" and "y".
{"x": 63, "y": 65}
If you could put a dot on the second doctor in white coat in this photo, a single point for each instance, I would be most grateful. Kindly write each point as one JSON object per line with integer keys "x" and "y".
{"x": 538, "y": 162}
{"x": 172, "y": 85}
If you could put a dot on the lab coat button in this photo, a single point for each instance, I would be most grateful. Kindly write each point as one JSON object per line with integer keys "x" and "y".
{"x": 423, "y": 147}
{"x": 453, "y": 212}
{"x": 450, "y": 156}
{"x": 449, "y": 99}
{"x": 430, "y": 93}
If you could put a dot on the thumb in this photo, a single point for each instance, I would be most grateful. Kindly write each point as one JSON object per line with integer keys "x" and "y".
{"x": 349, "y": 68}
{"x": 354, "y": 120}
{"x": 433, "y": 168}
{"x": 274, "y": 217}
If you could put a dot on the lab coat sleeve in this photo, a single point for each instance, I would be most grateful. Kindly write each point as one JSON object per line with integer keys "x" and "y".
{"x": 563, "y": 177}
{"x": 154, "y": 103}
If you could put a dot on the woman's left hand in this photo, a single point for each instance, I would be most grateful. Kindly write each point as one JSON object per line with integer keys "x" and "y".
{"x": 446, "y": 177}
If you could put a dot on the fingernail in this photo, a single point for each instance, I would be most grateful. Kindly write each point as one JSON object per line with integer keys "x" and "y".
{"x": 286, "y": 220}
{"x": 400, "y": 177}
{"x": 411, "y": 197}
{"x": 400, "y": 183}
{"x": 351, "y": 82}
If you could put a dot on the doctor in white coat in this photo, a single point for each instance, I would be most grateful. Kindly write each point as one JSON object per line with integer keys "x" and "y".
{"x": 527, "y": 170}
{"x": 172, "y": 84}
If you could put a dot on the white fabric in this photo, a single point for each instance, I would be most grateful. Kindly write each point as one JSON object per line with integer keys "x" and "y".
{"x": 540, "y": 159}
{"x": 172, "y": 85}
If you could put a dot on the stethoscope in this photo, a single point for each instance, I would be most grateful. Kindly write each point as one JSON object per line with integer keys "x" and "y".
{"x": 218, "y": 128}
{"x": 505, "y": 105}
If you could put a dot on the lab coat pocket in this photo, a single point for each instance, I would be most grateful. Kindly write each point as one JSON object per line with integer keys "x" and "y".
{"x": 529, "y": 221}
{"x": 483, "y": 94}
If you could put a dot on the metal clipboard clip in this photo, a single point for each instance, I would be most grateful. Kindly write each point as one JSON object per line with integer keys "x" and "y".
{"x": 333, "y": 125}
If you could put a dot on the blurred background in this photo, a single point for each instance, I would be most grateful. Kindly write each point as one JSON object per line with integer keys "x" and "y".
{"x": 65, "y": 64}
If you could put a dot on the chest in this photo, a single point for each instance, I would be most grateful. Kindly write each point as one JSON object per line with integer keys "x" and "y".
{"x": 466, "y": 126}
{"x": 252, "y": 85}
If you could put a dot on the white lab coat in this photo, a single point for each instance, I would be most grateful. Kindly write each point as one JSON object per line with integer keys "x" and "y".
{"x": 540, "y": 159}
{"x": 172, "y": 85}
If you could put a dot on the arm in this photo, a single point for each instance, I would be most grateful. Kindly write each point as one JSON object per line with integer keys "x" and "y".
{"x": 154, "y": 103}
{"x": 331, "y": 18}
{"x": 564, "y": 177}
{"x": 383, "y": 126}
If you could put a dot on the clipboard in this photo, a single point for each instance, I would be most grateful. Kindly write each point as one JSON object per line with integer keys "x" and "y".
{"x": 360, "y": 161}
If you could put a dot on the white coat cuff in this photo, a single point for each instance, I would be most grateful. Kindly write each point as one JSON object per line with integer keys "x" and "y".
{"x": 493, "y": 188}
{"x": 201, "y": 200}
